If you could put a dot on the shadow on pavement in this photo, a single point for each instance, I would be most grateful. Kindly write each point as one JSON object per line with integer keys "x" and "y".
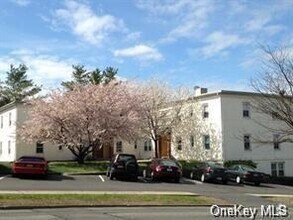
{"x": 47, "y": 178}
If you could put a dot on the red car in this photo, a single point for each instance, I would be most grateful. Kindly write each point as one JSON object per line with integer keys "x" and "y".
{"x": 163, "y": 169}
{"x": 30, "y": 165}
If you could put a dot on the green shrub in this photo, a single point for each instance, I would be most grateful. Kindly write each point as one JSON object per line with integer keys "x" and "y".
{"x": 249, "y": 163}
{"x": 5, "y": 168}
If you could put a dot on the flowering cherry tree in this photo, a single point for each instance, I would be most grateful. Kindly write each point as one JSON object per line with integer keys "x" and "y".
{"x": 85, "y": 118}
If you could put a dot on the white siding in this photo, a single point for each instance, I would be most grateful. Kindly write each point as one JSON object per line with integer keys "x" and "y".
{"x": 8, "y": 134}
{"x": 235, "y": 126}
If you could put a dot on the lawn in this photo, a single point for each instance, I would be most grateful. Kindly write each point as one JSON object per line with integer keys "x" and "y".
{"x": 74, "y": 167}
{"x": 39, "y": 200}
{"x": 282, "y": 200}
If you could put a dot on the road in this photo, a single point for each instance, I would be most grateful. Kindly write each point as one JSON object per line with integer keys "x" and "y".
{"x": 232, "y": 193}
{"x": 126, "y": 213}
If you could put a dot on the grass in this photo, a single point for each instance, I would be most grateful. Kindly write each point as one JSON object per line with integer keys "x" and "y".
{"x": 39, "y": 200}
{"x": 74, "y": 167}
{"x": 282, "y": 200}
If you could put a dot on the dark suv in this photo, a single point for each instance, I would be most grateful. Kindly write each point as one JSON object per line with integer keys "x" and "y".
{"x": 123, "y": 166}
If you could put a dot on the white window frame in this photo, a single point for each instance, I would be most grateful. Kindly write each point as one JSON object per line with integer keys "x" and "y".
{"x": 276, "y": 142}
{"x": 279, "y": 169}
{"x": 205, "y": 111}
{"x": 39, "y": 148}
{"x": 245, "y": 138}
{"x": 246, "y": 110}
{"x": 207, "y": 142}
{"x": 119, "y": 146}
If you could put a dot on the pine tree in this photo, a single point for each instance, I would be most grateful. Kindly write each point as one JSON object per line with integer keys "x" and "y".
{"x": 17, "y": 87}
{"x": 80, "y": 76}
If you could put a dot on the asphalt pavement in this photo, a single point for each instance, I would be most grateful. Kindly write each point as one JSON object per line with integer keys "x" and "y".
{"x": 232, "y": 193}
{"x": 125, "y": 213}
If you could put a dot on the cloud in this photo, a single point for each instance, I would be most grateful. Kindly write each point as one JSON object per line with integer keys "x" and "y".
{"x": 219, "y": 42}
{"x": 85, "y": 23}
{"x": 21, "y": 2}
{"x": 43, "y": 69}
{"x": 190, "y": 16}
{"x": 140, "y": 51}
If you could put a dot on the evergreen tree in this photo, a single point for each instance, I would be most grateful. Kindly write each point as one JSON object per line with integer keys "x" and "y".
{"x": 80, "y": 76}
{"x": 17, "y": 87}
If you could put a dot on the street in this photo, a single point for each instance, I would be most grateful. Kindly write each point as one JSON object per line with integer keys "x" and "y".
{"x": 232, "y": 193}
{"x": 140, "y": 213}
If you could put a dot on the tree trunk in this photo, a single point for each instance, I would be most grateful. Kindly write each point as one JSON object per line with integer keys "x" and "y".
{"x": 80, "y": 159}
{"x": 157, "y": 153}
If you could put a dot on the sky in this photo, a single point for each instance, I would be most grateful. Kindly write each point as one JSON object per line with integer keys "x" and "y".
{"x": 208, "y": 43}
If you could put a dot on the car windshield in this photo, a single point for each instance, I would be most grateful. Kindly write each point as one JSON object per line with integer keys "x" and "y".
{"x": 31, "y": 159}
{"x": 125, "y": 158}
{"x": 167, "y": 163}
{"x": 215, "y": 164}
{"x": 247, "y": 168}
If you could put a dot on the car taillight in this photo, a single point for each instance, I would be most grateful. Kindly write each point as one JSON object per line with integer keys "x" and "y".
{"x": 158, "y": 168}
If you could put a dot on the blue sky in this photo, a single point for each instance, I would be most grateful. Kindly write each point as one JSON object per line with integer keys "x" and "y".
{"x": 210, "y": 43}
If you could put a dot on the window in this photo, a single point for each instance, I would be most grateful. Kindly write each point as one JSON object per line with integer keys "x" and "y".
{"x": 246, "y": 110}
{"x": 276, "y": 141}
{"x": 148, "y": 145}
{"x": 39, "y": 148}
{"x": 119, "y": 146}
{"x": 206, "y": 142}
{"x": 1, "y": 121}
{"x": 205, "y": 111}
{"x": 9, "y": 147}
{"x": 246, "y": 140}
{"x": 277, "y": 169}
{"x": 60, "y": 147}
{"x": 10, "y": 118}
{"x": 179, "y": 143}
{"x": 135, "y": 144}
{"x": 0, "y": 148}
{"x": 145, "y": 145}
{"x": 191, "y": 141}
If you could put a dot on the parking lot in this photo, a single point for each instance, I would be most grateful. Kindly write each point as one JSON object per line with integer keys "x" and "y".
{"x": 232, "y": 193}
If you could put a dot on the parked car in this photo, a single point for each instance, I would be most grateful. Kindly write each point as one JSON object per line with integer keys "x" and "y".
{"x": 244, "y": 173}
{"x": 30, "y": 165}
{"x": 209, "y": 171}
{"x": 123, "y": 166}
{"x": 164, "y": 169}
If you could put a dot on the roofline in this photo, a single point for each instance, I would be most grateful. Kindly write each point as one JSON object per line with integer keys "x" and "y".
{"x": 228, "y": 92}
{"x": 9, "y": 105}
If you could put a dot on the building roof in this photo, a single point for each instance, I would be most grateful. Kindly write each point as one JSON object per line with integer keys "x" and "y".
{"x": 7, "y": 106}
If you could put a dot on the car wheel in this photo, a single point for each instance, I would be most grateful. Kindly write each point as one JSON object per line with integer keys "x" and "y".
{"x": 153, "y": 176}
{"x": 192, "y": 175}
{"x": 257, "y": 183}
{"x": 202, "y": 178}
{"x": 238, "y": 180}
